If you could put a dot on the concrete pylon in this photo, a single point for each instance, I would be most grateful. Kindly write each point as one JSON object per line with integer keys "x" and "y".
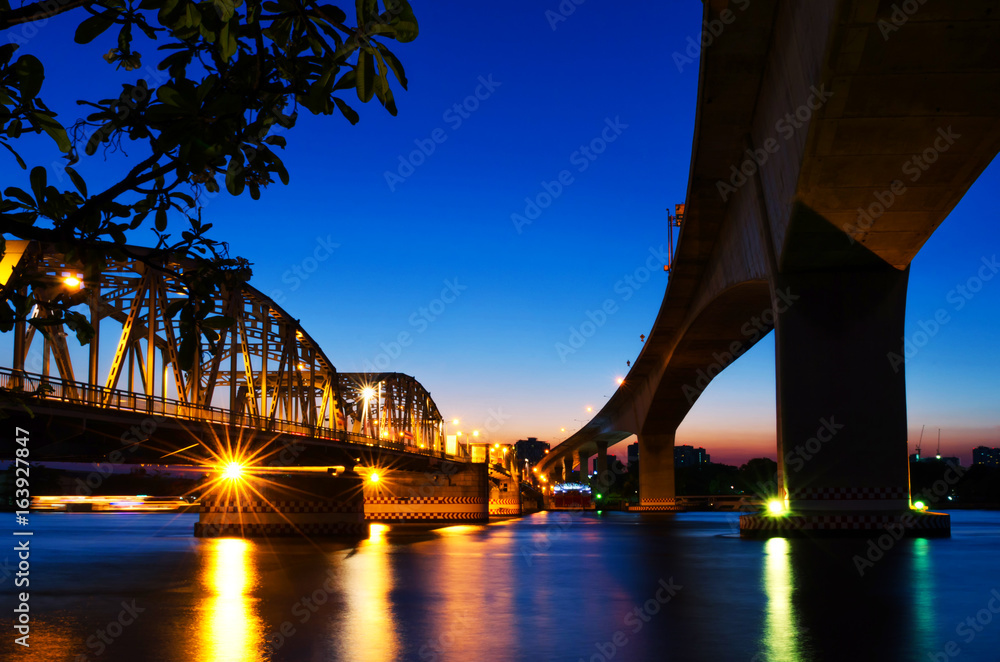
{"x": 841, "y": 396}
{"x": 656, "y": 472}
{"x": 583, "y": 460}
{"x": 567, "y": 468}
{"x": 602, "y": 459}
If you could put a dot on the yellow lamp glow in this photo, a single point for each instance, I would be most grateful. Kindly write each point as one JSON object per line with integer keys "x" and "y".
{"x": 367, "y": 393}
{"x": 233, "y": 471}
{"x": 374, "y": 477}
{"x": 72, "y": 281}
{"x": 775, "y": 507}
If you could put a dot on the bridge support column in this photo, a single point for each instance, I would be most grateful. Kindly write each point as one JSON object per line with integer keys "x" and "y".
{"x": 602, "y": 460}
{"x": 450, "y": 492}
{"x": 656, "y": 472}
{"x": 303, "y": 505}
{"x": 841, "y": 395}
{"x": 567, "y": 468}
{"x": 583, "y": 459}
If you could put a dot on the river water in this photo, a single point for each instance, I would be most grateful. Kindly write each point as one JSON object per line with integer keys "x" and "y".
{"x": 551, "y": 586}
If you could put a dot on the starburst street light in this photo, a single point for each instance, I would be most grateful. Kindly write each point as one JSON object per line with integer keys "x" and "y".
{"x": 233, "y": 471}
{"x": 367, "y": 393}
{"x": 72, "y": 281}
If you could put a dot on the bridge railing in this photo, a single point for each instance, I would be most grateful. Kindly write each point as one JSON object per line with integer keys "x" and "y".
{"x": 33, "y": 385}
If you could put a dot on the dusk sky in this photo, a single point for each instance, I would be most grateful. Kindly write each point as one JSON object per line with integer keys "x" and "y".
{"x": 410, "y": 230}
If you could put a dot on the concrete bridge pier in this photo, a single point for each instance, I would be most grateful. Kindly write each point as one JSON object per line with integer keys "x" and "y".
{"x": 602, "y": 459}
{"x": 450, "y": 492}
{"x": 583, "y": 459}
{"x": 567, "y": 468}
{"x": 656, "y": 473}
{"x": 841, "y": 395}
{"x": 303, "y": 505}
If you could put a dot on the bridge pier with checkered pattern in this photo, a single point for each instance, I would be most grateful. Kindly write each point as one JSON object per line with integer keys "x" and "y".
{"x": 842, "y": 428}
{"x": 313, "y": 506}
{"x": 449, "y": 492}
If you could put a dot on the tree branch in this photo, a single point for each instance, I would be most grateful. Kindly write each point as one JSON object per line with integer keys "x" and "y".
{"x": 37, "y": 11}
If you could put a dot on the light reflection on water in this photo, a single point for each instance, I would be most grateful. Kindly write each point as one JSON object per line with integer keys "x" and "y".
{"x": 534, "y": 589}
{"x": 232, "y": 631}
{"x": 367, "y": 631}
{"x": 781, "y": 630}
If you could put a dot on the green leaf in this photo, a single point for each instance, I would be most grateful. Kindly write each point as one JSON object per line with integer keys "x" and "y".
{"x": 217, "y": 322}
{"x": 402, "y": 19}
{"x": 235, "y": 181}
{"x": 88, "y": 30}
{"x": 53, "y": 128}
{"x": 20, "y": 195}
{"x": 366, "y": 76}
{"x": 174, "y": 307}
{"x": 227, "y": 40}
{"x": 224, "y": 8}
{"x": 169, "y": 96}
{"x": 346, "y": 111}
{"x": 161, "y": 220}
{"x": 78, "y": 182}
{"x": 38, "y": 180}
{"x": 394, "y": 64}
{"x": 29, "y": 73}
{"x": 17, "y": 156}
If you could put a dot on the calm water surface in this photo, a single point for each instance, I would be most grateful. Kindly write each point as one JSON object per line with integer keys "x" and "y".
{"x": 546, "y": 587}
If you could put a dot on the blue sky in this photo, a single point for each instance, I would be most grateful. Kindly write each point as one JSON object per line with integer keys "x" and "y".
{"x": 446, "y": 228}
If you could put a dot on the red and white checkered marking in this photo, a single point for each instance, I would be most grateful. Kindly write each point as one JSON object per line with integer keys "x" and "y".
{"x": 841, "y": 522}
{"x": 253, "y": 529}
{"x": 284, "y": 507}
{"x": 395, "y": 517}
{"x": 848, "y": 493}
{"x": 402, "y": 501}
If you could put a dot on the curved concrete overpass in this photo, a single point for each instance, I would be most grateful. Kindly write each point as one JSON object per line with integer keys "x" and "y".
{"x": 831, "y": 139}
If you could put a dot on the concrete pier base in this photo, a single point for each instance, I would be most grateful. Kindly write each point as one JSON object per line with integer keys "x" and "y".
{"x": 505, "y": 496}
{"x": 302, "y": 505}
{"x": 656, "y": 474}
{"x": 455, "y": 493}
{"x": 896, "y": 524}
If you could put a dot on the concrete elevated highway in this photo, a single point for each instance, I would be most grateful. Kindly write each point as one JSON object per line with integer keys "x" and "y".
{"x": 831, "y": 139}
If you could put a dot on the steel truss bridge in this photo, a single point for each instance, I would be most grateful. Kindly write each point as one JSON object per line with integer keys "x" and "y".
{"x": 267, "y": 373}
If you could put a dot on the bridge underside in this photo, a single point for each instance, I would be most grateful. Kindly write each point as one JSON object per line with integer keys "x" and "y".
{"x": 831, "y": 139}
